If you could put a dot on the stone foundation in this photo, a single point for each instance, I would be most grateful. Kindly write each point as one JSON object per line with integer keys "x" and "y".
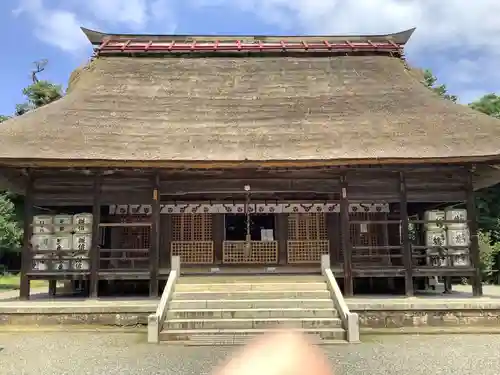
{"x": 385, "y": 315}
{"x": 433, "y": 318}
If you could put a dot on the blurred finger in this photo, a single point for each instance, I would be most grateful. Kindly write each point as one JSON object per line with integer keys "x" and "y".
{"x": 286, "y": 353}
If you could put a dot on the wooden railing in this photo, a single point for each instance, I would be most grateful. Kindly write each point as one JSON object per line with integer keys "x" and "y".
{"x": 254, "y": 252}
{"x": 123, "y": 259}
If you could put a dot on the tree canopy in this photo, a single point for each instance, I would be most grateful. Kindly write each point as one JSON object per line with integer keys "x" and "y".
{"x": 430, "y": 81}
{"x": 488, "y": 104}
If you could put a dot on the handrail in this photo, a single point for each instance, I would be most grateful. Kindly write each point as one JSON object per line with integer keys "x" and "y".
{"x": 156, "y": 320}
{"x": 338, "y": 299}
{"x": 350, "y": 320}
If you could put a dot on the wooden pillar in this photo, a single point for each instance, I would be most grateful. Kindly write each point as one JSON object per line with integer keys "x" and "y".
{"x": 165, "y": 241}
{"x": 96, "y": 228}
{"x": 405, "y": 236}
{"x": 52, "y": 288}
{"x": 281, "y": 223}
{"x": 477, "y": 286}
{"x": 154, "y": 249}
{"x": 26, "y": 255}
{"x": 346, "y": 240}
{"x": 332, "y": 232}
{"x": 218, "y": 234}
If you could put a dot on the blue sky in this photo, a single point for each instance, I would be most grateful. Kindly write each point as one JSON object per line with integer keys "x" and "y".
{"x": 458, "y": 41}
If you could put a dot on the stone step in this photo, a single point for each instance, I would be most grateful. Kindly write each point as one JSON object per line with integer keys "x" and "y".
{"x": 252, "y": 323}
{"x": 256, "y": 286}
{"x": 255, "y": 303}
{"x": 242, "y": 336}
{"x": 230, "y": 279}
{"x": 252, "y": 313}
{"x": 251, "y": 294}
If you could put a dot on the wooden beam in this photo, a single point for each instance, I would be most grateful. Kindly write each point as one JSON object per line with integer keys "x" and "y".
{"x": 477, "y": 286}
{"x": 95, "y": 251}
{"x": 24, "y": 289}
{"x": 154, "y": 249}
{"x": 405, "y": 235}
{"x": 346, "y": 240}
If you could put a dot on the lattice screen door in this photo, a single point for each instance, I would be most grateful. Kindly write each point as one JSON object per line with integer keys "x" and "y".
{"x": 192, "y": 238}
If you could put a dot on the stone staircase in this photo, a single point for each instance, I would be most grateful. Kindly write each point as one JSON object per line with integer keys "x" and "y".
{"x": 229, "y": 310}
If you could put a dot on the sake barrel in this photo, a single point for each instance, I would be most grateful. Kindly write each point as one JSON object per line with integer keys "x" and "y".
{"x": 460, "y": 258}
{"x": 41, "y": 220}
{"x": 82, "y": 223}
{"x": 80, "y": 261}
{"x": 435, "y": 238}
{"x": 40, "y": 262}
{"x": 43, "y": 229}
{"x": 42, "y": 242}
{"x": 437, "y": 215}
{"x": 456, "y": 214}
{"x": 458, "y": 237}
{"x": 82, "y": 242}
{"x": 60, "y": 264}
{"x": 63, "y": 224}
{"x": 63, "y": 219}
{"x": 436, "y": 260}
{"x": 62, "y": 242}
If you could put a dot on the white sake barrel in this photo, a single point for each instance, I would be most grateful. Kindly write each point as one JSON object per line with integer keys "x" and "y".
{"x": 62, "y": 241}
{"x": 40, "y": 262}
{"x": 60, "y": 264}
{"x": 63, "y": 223}
{"x": 63, "y": 219}
{"x": 460, "y": 258}
{"x": 41, "y": 220}
{"x": 83, "y": 223}
{"x": 456, "y": 214}
{"x": 434, "y": 215}
{"x": 437, "y": 260}
{"x": 83, "y": 219}
{"x": 43, "y": 229}
{"x": 435, "y": 238}
{"x": 80, "y": 262}
{"x": 41, "y": 242}
{"x": 458, "y": 237}
{"x": 82, "y": 242}
{"x": 63, "y": 229}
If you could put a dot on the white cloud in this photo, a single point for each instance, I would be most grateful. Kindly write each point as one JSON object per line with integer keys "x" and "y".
{"x": 131, "y": 12}
{"x": 58, "y": 23}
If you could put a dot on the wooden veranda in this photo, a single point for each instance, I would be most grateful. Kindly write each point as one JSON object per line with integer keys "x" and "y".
{"x": 141, "y": 217}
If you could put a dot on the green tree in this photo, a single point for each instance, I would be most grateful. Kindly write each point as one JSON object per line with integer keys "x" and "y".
{"x": 488, "y": 255}
{"x": 3, "y": 118}
{"x": 488, "y": 104}
{"x": 39, "y": 94}
{"x": 430, "y": 81}
{"x": 10, "y": 231}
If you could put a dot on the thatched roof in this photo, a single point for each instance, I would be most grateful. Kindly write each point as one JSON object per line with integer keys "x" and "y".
{"x": 282, "y": 107}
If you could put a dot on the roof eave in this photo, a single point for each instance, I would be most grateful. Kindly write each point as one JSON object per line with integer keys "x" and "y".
{"x": 96, "y": 37}
{"x": 214, "y": 164}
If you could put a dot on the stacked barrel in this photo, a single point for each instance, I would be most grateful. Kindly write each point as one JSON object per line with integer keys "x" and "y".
{"x": 61, "y": 242}
{"x": 447, "y": 242}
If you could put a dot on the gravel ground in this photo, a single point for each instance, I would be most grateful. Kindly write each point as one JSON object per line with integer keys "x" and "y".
{"x": 99, "y": 353}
